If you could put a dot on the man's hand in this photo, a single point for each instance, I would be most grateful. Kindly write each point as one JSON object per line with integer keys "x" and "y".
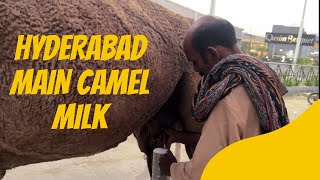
{"x": 165, "y": 162}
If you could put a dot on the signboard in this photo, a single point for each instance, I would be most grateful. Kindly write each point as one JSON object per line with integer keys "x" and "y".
{"x": 286, "y": 38}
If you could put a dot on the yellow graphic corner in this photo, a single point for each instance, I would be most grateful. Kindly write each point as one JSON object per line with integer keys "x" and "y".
{"x": 292, "y": 152}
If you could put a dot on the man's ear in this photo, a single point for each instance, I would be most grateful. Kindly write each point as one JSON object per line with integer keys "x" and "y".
{"x": 213, "y": 54}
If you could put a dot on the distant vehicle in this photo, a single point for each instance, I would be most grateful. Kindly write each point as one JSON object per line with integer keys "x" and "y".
{"x": 313, "y": 97}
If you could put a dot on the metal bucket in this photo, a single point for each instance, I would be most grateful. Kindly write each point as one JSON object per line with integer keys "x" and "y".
{"x": 156, "y": 173}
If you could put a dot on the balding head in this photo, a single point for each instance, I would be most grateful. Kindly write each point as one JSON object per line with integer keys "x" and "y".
{"x": 210, "y": 36}
{"x": 211, "y": 31}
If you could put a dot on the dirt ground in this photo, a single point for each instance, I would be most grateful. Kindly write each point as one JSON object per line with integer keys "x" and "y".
{"x": 296, "y": 105}
{"x": 125, "y": 162}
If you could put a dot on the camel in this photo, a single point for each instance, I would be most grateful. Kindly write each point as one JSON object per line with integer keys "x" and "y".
{"x": 26, "y": 136}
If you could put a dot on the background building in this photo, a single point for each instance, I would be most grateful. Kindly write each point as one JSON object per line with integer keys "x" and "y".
{"x": 254, "y": 45}
{"x": 285, "y": 52}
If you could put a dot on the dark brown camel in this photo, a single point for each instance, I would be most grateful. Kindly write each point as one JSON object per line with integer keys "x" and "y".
{"x": 25, "y": 121}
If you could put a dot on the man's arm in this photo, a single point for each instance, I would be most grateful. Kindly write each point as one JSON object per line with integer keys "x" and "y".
{"x": 212, "y": 140}
{"x": 225, "y": 125}
{"x": 233, "y": 118}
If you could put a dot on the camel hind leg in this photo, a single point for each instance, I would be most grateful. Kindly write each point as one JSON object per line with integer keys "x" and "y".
{"x": 2, "y": 173}
{"x": 150, "y": 135}
{"x": 175, "y": 113}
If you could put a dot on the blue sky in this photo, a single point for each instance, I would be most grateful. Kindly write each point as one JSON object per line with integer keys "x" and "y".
{"x": 258, "y": 16}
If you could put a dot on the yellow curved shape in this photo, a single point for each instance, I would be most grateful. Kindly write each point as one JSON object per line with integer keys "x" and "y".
{"x": 292, "y": 152}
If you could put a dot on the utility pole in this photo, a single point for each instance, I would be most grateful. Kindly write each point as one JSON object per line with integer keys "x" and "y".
{"x": 273, "y": 49}
{"x": 296, "y": 52}
{"x": 212, "y": 7}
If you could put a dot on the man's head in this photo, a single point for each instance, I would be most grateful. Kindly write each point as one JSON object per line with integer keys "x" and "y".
{"x": 209, "y": 40}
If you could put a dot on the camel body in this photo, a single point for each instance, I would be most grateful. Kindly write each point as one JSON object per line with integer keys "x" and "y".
{"x": 25, "y": 120}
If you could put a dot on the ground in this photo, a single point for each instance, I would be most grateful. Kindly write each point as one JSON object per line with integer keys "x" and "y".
{"x": 124, "y": 162}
